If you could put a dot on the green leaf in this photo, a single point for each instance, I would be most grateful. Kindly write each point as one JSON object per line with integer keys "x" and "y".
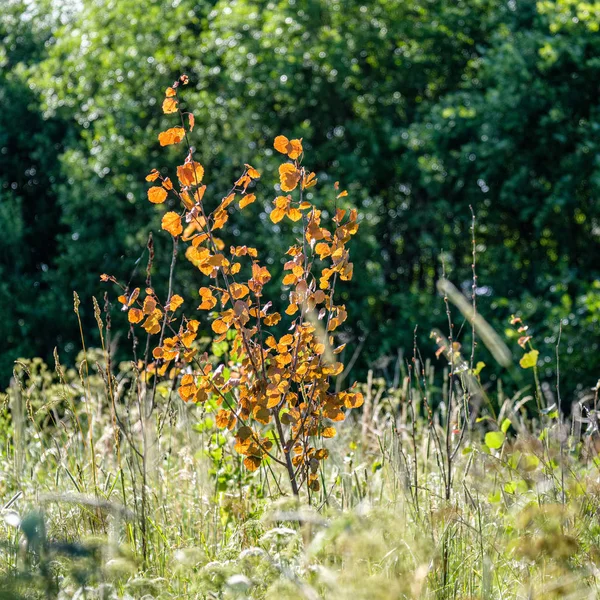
{"x": 505, "y": 425}
{"x": 494, "y": 439}
{"x": 529, "y": 462}
{"x": 495, "y": 497}
{"x": 530, "y": 359}
{"x": 478, "y": 368}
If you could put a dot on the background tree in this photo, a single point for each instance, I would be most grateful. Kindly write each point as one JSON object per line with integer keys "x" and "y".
{"x": 420, "y": 108}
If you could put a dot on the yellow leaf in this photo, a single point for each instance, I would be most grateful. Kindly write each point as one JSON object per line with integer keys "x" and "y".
{"x": 171, "y": 222}
{"x": 289, "y": 177}
{"x": 171, "y": 136}
{"x": 294, "y": 214}
{"x": 170, "y": 92}
{"x": 175, "y": 302}
{"x": 292, "y": 309}
{"x": 169, "y": 106}
{"x": 328, "y": 432}
{"x": 157, "y": 195}
{"x": 277, "y": 214}
{"x": 248, "y": 199}
{"x": 529, "y": 360}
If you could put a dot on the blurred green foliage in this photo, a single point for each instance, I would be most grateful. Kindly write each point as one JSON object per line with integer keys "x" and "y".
{"x": 419, "y": 108}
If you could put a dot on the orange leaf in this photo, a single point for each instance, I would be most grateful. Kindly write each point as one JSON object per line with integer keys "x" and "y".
{"x": 238, "y": 290}
{"x": 281, "y": 143}
{"x": 273, "y": 319}
{"x": 252, "y": 463}
{"x": 169, "y": 106}
{"x": 288, "y": 177}
{"x": 157, "y": 195}
{"x": 292, "y": 309}
{"x": 190, "y": 173}
{"x": 170, "y": 92}
{"x": 149, "y": 305}
{"x": 187, "y": 388}
{"x": 171, "y": 222}
{"x": 226, "y": 201}
{"x": 135, "y": 315}
{"x": 192, "y": 121}
{"x": 277, "y": 214}
{"x": 152, "y": 322}
{"x": 293, "y": 148}
{"x": 193, "y": 325}
{"x": 252, "y": 172}
{"x": 309, "y": 181}
{"x": 294, "y": 214}
{"x": 223, "y": 418}
{"x": 248, "y": 199}
{"x": 153, "y": 175}
{"x": 354, "y": 400}
{"x": 208, "y": 300}
{"x": 175, "y": 302}
{"x": 219, "y": 326}
{"x": 171, "y": 136}
{"x": 328, "y": 432}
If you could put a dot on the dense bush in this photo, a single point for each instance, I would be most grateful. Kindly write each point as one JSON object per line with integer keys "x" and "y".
{"x": 421, "y": 109}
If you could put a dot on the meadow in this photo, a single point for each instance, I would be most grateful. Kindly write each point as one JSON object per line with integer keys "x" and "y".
{"x": 102, "y": 504}
{"x": 299, "y": 300}
{"x": 244, "y": 464}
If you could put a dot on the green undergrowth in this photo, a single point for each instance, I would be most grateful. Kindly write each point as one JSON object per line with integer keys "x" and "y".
{"x": 161, "y": 507}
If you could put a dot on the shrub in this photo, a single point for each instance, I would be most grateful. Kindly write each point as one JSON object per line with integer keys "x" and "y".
{"x": 273, "y": 390}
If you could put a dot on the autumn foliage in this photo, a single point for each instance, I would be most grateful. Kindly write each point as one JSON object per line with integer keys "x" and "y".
{"x": 274, "y": 392}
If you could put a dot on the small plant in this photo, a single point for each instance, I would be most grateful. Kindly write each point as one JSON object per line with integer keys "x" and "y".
{"x": 273, "y": 391}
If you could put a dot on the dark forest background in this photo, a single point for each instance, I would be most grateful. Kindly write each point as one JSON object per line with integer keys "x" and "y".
{"x": 419, "y": 108}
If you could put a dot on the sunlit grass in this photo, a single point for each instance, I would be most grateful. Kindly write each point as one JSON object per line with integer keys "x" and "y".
{"x": 211, "y": 530}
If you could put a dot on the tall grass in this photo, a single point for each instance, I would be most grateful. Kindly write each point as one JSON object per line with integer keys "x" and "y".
{"x": 101, "y": 500}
